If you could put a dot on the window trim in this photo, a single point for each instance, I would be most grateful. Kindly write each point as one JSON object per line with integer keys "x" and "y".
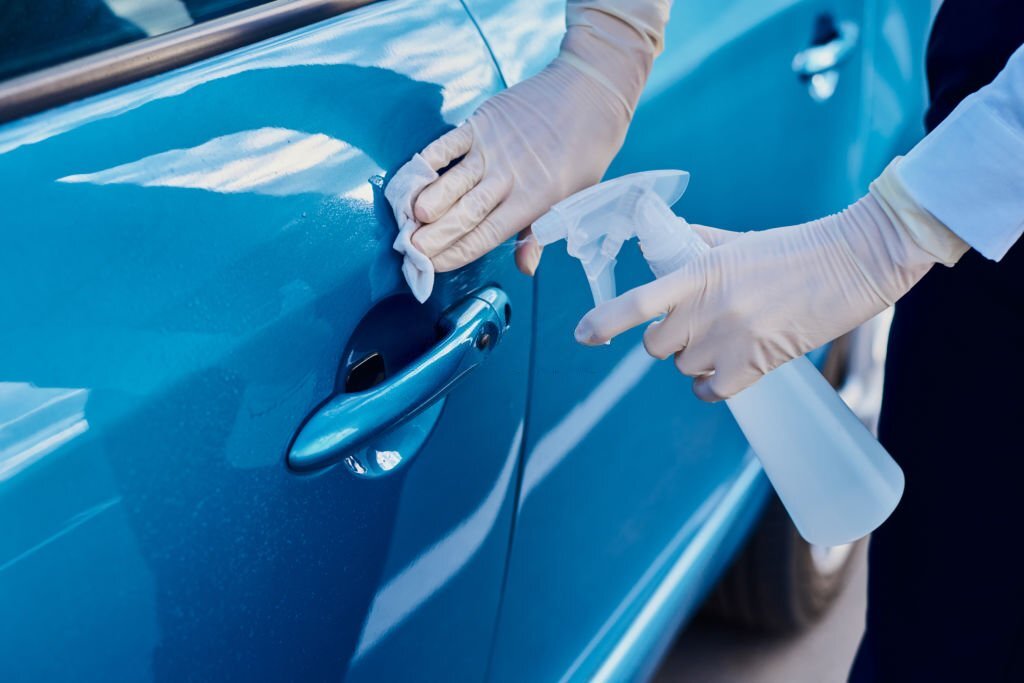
{"x": 64, "y": 83}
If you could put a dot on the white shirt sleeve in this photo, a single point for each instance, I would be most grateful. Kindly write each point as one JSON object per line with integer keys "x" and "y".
{"x": 969, "y": 171}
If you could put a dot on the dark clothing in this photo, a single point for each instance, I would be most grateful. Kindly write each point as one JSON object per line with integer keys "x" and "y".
{"x": 945, "y": 592}
{"x": 971, "y": 42}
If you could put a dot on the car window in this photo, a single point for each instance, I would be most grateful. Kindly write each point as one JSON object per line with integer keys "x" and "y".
{"x": 38, "y": 33}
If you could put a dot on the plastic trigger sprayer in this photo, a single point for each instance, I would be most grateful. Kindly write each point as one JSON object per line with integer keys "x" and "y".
{"x": 835, "y": 479}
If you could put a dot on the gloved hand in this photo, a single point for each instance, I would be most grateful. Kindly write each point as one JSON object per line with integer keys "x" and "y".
{"x": 757, "y": 300}
{"x": 542, "y": 139}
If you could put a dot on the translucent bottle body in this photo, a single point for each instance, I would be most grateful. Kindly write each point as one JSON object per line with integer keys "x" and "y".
{"x": 834, "y": 478}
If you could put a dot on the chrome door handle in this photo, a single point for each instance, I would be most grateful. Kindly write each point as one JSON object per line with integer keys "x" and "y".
{"x": 817, "y": 64}
{"x": 819, "y": 58}
{"x": 471, "y": 330}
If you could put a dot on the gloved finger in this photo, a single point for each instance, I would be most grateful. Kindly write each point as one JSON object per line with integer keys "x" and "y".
{"x": 439, "y": 196}
{"x": 674, "y": 333}
{"x": 449, "y": 147}
{"x": 466, "y": 216}
{"x": 728, "y": 380}
{"x": 666, "y": 337}
{"x": 501, "y": 224}
{"x": 636, "y": 306}
{"x": 715, "y": 237}
{"x": 703, "y": 390}
{"x": 692, "y": 364}
{"x": 528, "y": 253}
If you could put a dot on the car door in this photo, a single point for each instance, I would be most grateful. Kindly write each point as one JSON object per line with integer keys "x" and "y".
{"x": 634, "y": 494}
{"x": 192, "y": 265}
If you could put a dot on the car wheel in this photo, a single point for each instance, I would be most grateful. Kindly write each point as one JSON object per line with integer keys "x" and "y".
{"x": 779, "y": 582}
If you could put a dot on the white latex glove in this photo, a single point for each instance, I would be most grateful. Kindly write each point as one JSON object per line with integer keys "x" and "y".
{"x": 757, "y": 300}
{"x": 542, "y": 139}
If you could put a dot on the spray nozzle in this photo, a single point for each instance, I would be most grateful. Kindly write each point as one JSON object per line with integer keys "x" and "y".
{"x": 597, "y": 221}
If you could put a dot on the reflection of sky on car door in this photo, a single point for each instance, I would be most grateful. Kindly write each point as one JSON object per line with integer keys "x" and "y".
{"x": 418, "y": 582}
{"x": 36, "y": 421}
{"x": 561, "y": 440}
{"x": 271, "y": 161}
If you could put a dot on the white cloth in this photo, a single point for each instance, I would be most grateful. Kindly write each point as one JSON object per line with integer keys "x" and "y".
{"x": 401, "y": 193}
{"x": 969, "y": 171}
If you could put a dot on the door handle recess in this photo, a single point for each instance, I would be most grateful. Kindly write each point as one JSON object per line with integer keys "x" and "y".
{"x": 470, "y": 329}
{"x": 817, "y": 64}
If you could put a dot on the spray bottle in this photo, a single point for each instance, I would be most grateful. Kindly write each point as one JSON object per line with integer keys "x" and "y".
{"x": 834, "y": 478}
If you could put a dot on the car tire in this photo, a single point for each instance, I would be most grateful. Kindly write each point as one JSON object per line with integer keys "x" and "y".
{"x": 779, "y": 582}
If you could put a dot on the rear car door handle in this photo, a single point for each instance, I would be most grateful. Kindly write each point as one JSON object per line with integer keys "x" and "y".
{"x": 470, "y": 329}
{"x": 817, "y": 64}
{"x": 820, "y": 58}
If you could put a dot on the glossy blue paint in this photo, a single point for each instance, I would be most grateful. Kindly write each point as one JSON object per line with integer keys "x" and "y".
{"x": 193, "y": 263}
{"x": 701, "y": 548}
{"x": 185, "y": 260}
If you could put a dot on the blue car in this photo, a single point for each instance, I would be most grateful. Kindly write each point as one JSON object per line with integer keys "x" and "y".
{"x": 234, "y": 447}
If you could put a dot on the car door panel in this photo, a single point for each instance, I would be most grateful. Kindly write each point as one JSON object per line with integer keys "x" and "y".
{"x": 188, "y": 259}
{"x": 625, "y": 473}
{"x": 777, "y": 156}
